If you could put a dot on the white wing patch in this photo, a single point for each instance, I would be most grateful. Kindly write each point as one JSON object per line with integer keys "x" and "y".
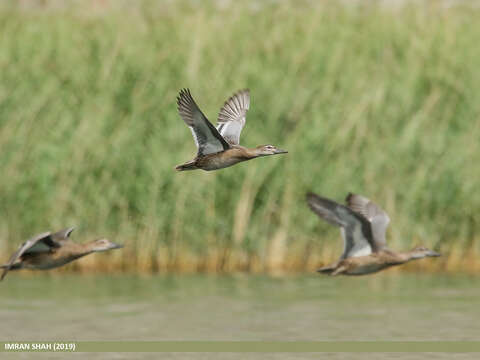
{"x": 359, "y": 248}
{"x": 372, "y": 212}
{"x": 355, "y": 242}
{"x": 194, "y": 137}
{"x": 355, "y": 228}
{"x": 232, "y": 116}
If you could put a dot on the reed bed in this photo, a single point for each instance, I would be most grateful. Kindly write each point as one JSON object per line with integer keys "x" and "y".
{"x": 379, "y": 100}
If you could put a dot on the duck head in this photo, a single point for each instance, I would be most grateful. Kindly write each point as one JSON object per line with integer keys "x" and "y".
{"x": 421, "y": 251}
{"x": 265, "y": 150}
{"x": 104, "y": 245}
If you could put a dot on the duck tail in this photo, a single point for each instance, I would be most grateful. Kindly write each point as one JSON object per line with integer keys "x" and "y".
{"x": 187, "y": 166}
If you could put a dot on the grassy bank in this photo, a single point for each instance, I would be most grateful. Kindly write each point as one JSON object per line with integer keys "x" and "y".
{"x": 375, "y": 100}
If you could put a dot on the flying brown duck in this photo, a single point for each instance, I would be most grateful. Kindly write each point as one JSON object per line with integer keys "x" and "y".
{"x": 363, "y": 225}
{"x": 47, "y": 251}
{"x": 219, "y": 147}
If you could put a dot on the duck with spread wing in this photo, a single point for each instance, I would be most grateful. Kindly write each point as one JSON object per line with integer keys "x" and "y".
{"x": 363, "y": 225}
{"x": 50, "y": 250}
{"x": 218, "y": 147}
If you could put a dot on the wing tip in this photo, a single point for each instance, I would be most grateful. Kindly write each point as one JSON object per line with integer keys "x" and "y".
{"x": 317, "y": 202}
{"x": 243, "y": 91}
{"x": 65, "y": 233}
{"x": 349, "y": 197}
{"x": 186, "y": 105}
{"x": 236, "y": 95}
{"x": 314, "y": 200}
{"x": 183, "y": 95}
{"x": 246, "y": 94}
{"x": 325, "y": 208}
{"x": 310, "y": 196}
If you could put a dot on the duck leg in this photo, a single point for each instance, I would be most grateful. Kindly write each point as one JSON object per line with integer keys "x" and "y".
{"x": 327, "y": 269}
{"x": 339, "y": 270}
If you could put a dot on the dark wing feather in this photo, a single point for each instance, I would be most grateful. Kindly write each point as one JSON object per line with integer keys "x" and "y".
{"x": 207, "y": 138}
{"x": 355, "y": 228}
{"x": 232, "y": 116}
{"x": 372, "y": 212}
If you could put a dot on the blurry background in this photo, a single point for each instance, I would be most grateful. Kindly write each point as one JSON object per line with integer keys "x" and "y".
{"x": 379, "y": 98}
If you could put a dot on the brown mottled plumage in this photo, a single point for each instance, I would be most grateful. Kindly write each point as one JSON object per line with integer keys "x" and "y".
{"x": 363, "y": 225}
{"x": 47, "y": 251}
{"x": 219, "y": 147}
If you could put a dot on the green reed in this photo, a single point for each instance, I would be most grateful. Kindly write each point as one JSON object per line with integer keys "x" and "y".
{"x": 383, "y": 101}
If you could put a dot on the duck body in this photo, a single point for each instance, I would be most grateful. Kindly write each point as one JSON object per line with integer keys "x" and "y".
{"x": 364, "y": 265}
{"x": 220, "y": 160}
{"x": 363, "y": 226}
{"x": 55, "y": 258}
{"x": 218, "y": 147}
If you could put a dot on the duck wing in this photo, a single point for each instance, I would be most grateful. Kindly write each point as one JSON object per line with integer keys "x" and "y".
{"x": 207, "y": 138}
{"x": 40, "y": 243}
{"x": 232, "y": 116}
{"x": 378, "y": 218}
{"x": 355, "y": 229}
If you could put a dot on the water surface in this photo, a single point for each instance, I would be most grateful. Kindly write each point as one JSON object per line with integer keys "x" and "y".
{"x": 380, "y": 307}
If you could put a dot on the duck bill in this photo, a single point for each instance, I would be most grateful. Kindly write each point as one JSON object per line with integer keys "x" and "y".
{"x": 280, "y": 151}
{"x": 116, "y": 246}
{"x": 434, "y": 253}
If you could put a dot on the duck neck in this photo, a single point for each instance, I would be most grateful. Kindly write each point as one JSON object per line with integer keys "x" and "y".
{"x": 86, "y": 248}
{"x": 397, "y": 258}
{"x": 250, "y": 153}
{"x": 243, "y": 152}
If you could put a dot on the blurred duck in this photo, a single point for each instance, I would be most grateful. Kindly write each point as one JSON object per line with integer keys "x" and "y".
{"x": 363, "y": 225}
{"x": 219, "y": 147}
{"x": 47, "y": 251}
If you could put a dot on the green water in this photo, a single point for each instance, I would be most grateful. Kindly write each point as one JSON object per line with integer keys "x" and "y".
{"x": 381, "y": 307}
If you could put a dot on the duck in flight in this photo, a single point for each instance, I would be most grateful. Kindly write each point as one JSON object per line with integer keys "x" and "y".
{"x": 218, "y": 147}
{"x": 363, "y": 225}
{"x": 47, "y": 251}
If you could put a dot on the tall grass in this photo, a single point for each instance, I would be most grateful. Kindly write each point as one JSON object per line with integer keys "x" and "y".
{"x": 370, "y": 99}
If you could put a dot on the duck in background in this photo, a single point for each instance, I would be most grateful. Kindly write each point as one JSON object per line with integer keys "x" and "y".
{"x": 363, "y": 225}
{"x": 47, "y": 251}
